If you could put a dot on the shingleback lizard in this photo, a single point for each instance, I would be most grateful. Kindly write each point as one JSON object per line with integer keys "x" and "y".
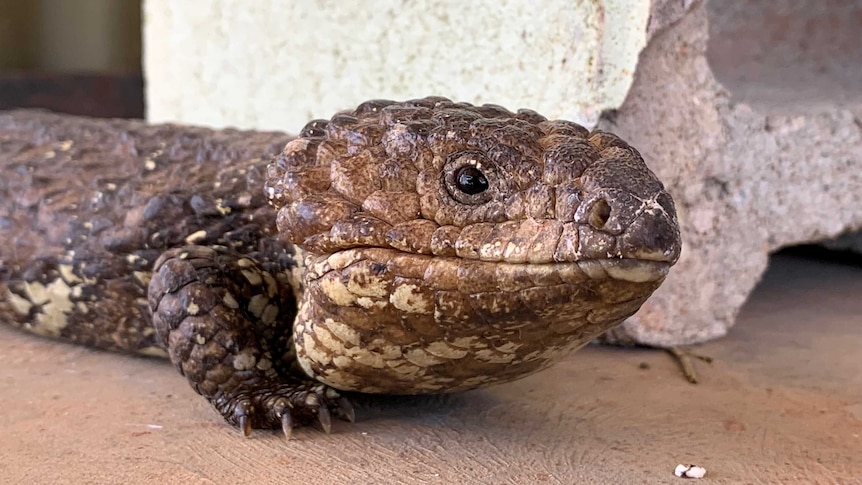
{"x": 401, "y": 248}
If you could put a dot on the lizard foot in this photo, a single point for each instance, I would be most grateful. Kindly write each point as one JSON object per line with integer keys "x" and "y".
{"x": 227, "y": 324}
{"x": 285, "y": 406}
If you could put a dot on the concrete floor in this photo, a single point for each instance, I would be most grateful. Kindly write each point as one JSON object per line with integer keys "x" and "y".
{"x": 782, "y": 403}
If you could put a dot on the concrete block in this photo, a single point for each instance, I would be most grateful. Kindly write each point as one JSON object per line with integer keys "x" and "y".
{"x": 750, "y": 112}
{"x": 276, "y": 64}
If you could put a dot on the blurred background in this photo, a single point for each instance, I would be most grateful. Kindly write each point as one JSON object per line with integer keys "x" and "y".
{"x": 72, "y": 56}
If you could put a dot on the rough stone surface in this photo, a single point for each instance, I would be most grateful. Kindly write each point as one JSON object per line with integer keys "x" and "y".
{"x": 756, "y": 159}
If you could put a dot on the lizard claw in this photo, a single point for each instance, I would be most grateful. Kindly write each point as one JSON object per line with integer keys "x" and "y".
{"x": 283, "y": 412}
{"x": 245, "y": 426}
{"x": 287, "y": 424}
{"x": 288, "y": 406}
{"x": 345, "y": 409}
{"x": 241, "y": 414}
{"x": 325, "y": 419}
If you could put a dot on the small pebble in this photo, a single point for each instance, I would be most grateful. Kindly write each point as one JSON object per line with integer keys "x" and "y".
{"x": 689, "y": 471}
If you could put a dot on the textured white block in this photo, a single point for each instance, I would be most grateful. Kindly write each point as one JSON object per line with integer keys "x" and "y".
{"x": 276, "y": 64}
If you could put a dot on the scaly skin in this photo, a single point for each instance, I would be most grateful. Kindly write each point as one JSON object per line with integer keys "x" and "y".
{"x": 444, "y": 247}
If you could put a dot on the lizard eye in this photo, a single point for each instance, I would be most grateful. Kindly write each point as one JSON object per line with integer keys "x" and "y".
{"x": 469, "y": 177}
{"x": 470, "y": 180}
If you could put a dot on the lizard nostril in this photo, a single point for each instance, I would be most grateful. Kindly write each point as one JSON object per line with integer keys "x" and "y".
{"x": 600, "y": 213}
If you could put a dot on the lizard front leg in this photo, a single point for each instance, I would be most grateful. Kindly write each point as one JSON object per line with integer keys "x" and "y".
{"x": 227, "y": 326}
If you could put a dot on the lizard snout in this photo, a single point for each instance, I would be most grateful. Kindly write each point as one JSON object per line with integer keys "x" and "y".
{"x": 654, "y": 234}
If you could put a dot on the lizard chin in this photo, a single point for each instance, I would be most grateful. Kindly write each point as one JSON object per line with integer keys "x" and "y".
{"x": 446, "y": 324}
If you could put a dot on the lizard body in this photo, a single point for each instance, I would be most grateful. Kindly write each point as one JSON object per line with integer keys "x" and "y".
{"x": 402, "y": 248}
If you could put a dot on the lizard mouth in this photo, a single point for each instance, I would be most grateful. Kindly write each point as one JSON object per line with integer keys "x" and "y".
{"x": 627, "y": 269}
{"x": 633, "y": 270}
{"x": 460, "y": 272}
{"x": 639, "y": 249}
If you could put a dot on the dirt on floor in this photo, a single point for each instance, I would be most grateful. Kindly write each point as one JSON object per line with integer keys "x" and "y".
{"x": 782, "y": 403}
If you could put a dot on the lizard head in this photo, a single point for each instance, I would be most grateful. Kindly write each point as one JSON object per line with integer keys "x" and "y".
{"x": 463, "y": 244}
